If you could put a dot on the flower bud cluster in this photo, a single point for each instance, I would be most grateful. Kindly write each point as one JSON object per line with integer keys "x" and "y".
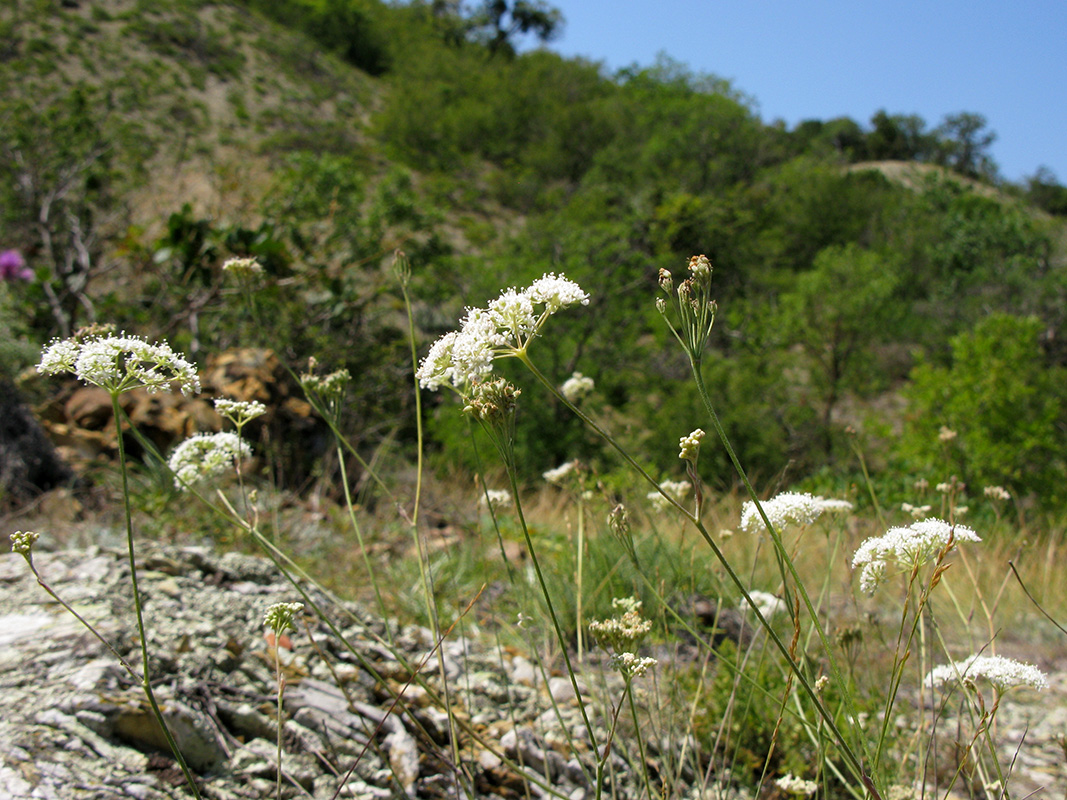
{"x": 280, "y": 617}
{"x": 696, "y": 309}
{"x": 690, "y": 445}
{"x": 493, "y": 402}
{"x": 22, "y": 542}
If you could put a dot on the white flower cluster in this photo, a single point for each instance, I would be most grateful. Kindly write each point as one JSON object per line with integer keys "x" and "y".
{"x": 576, "y": 387}
{"x": 1003, "y": 673}
{"x": 120, "y": 363}
{"x": 910, "y": 547}
{"x": 767, "y": 603}
{"x": 560, "y": 474}
{"x": 497, "y": 499}
{"x": 505, "y": 327}
{"x": 797, "y": 786}
{"x": 632, "y": 666}
{"x": 996, "y": 493}
{"x": 917, "y": 512}
{"x": 245, "y": 269}
{"x": 675, "y": 489}
{"x": 789, "y": 508}
{"x": 622, "y": 634}
{"x": 239, "y": 411}
{"x": 206, "y": 456}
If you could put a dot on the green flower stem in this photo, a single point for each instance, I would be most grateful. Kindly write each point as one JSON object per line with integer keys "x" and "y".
{"x": 510, "y": 467}
{"x": 281, "y": 692}
{"x": 146, "y": 682}
{"x": 855, "y": 761}
{"x": 640, "y": 740}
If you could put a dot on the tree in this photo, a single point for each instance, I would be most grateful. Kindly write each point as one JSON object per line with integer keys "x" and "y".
{"x": 836, "y": 311}
{"x": 964, "y": 145}
{"x": 898, "y": 137}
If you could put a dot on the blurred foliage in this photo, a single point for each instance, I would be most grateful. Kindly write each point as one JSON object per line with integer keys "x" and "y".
{"x": 489, "y": 164}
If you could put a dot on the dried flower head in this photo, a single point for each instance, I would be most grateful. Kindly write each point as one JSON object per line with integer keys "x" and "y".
{"x": 1003, "y": 673}
{"x": 205, "y": 456}
{"x": 119, "y": 363}
{"x": 909, "y": 547}
{"x": 576, "y": 387}
{"x": 280, "y": 617}
{"x": 22, "y": 542}
{"x": 329, "y": 387}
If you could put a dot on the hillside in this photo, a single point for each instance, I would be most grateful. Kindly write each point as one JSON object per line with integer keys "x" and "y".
{"x": 178, "y": 134}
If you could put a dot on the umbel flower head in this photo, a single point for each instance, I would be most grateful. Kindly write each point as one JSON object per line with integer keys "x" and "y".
{"x": 22, "y": 542}
{"x": 119, "y": 363}
{"x": 504, "y": 328}
{"x": 789, "y": 508}
{"x": 674, "y": 489}
{"x": 576, "y": 387}
{"x": 239, "y": 411}
{"x": 909, "y": 547}
{"x": 205, "y": 456}
{"x": 1003, "y": 673}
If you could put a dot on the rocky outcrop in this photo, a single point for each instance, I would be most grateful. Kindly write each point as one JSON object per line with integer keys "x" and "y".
{"x": 29, "y": 463}
{"x": 74, "y": 724}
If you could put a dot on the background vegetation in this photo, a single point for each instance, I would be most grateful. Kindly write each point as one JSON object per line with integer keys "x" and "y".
{"x": 875, "y": 277}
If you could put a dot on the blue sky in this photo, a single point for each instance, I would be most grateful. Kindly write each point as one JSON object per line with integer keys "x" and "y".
{"x": 819, "y": 59}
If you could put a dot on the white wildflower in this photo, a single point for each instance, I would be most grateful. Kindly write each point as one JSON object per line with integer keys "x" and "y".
{"x": 946, "y": 434}
{"x": 556, "y": 292}
{"x": 796, "y": 508}
{"x": 632, "y": 666}
{"x": 206, "y": 456}
{"x": 674, "y": 489}
{"x": 245, "y": 269}
{"x": 996, "y": 493}
{"x": 513, "y": 312}
{"x": 239, "y": 411}
{"x": 797, "y": 786}
{"x": 767, "y": 603}
{"x": 909, "y": 547}
{"x": 917, "y": 512}
{"x": 1003, "y": 673}
{"x": 559, "y": 475}
{"x": 831, "y": 505}
{"x": 624, "y": 633}
{"x": 576, "y": 387}
{"x": 120, "y": 363}
{"x": 497, "y": 499}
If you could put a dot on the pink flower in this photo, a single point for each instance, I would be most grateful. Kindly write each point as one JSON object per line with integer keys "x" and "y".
{"x": 13, "y": 267}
